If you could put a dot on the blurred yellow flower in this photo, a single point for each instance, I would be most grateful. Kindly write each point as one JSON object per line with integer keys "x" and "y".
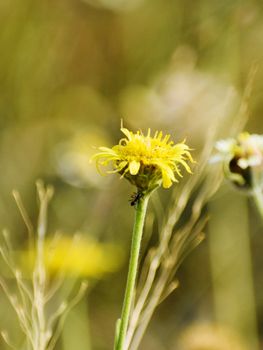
{"x": 77, "y": 256}
{"x": 210, "y": 337}
{"x": 146, "y": 161}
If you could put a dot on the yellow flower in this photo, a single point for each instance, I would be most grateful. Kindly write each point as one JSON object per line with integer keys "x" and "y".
{"x": 77, "y": 256}
{"x": 146, "y": 161}
{"x": 210, "y": 337}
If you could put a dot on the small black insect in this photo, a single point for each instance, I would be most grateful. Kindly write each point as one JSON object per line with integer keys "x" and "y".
{"x": 135, "y": 198}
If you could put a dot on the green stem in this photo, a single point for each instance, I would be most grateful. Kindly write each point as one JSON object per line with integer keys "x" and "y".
{"x": 141, "y": 208}
{"x": 258, "y": 198}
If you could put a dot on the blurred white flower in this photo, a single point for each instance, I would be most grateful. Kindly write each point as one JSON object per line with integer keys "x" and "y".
{"x": 248, "y": 149}
{"x": 242, "y": 158}
{"x": 181, "y": 98}
{"x": 72, "y": 158}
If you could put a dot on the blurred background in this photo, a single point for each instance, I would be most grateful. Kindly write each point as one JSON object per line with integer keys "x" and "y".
{"x": 70, "y": 70}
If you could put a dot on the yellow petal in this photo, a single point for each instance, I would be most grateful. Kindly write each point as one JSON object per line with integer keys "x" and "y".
{"x": 119, "y": 167}
{"x": 134, "y": 167}
{"x": 127, "y": 133}
{"x": 185, "y": 165}
{"x": 167, "y": 182}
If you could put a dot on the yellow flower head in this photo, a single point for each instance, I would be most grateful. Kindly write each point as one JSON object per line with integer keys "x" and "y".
{"x": 77, "y": 256}
{"x": 146, "y": 161}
